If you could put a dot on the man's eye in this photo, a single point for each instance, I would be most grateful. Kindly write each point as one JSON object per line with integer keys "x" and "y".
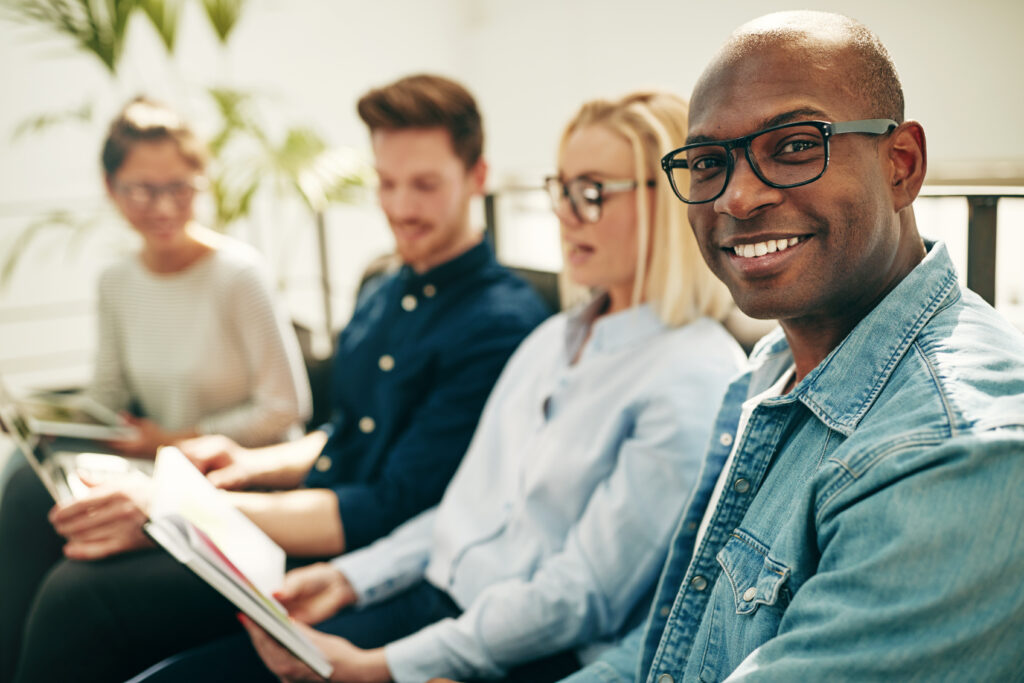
{"x": 797, "y": 146}
{"x": 706, "y": 163}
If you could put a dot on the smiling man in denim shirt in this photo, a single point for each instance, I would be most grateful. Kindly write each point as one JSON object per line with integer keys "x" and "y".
{"x": 863, "y": 490}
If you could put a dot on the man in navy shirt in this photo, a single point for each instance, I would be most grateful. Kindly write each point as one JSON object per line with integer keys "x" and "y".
{"x": 412, "y": 372}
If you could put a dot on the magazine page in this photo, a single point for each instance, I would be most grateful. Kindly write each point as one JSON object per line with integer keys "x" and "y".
{"x": 179, "y": 488}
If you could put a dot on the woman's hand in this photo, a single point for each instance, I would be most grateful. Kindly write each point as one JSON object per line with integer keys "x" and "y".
{"x": 107, "y": 521}
{"x": 351, "y": 664}
{"x": 149, "y": 437}
{"x": 314, "y": 593}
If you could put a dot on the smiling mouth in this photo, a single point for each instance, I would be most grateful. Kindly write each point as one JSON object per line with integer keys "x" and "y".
{"x": 757, "y": 249}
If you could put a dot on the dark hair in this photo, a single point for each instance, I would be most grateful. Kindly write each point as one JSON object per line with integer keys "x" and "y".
{"x": 146, "y": 120}
{"x": 427, "y": 101}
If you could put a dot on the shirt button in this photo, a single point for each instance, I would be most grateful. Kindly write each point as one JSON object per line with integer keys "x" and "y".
{"x": 750, "y": 594}
{"x": 367, "y": 425}
{"x": 665, "y": 678}
{"x": 429, "y": 290}
{"x": 741, "y": 485}
{"x": 691, "y": 526}
{"x": 323, "y": 463}
{"x": 409, "y": 302}
{"x": 664, "y": 611}
{"x": 725, "y": 439}
{"x": 386, "y": 362}
{"x": 699, "y": 583}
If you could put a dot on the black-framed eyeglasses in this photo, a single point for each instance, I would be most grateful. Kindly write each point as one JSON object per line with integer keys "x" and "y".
{"x": 784, "y": 156}
{"x": 586, "y": 195}
{"x": 146, "y": 194}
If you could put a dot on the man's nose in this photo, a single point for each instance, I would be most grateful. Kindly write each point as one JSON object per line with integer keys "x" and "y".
{"x": 746, "y": 194}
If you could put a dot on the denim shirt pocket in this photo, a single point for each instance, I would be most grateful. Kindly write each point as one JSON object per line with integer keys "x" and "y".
{"x": 755, "y": 577}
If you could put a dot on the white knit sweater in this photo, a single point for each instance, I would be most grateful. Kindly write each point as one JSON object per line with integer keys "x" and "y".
{"x": 206, "y": 348}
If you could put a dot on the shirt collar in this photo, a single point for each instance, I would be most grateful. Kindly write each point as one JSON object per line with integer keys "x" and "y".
{"x": 612, "y": 332}
{"x": 842, "y": 388}
{"x": 470, "y": 261}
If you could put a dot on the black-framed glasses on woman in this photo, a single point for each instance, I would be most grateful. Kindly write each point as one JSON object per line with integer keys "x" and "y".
{"x": 585, "y": 195}
{"x": 789, "y": 155}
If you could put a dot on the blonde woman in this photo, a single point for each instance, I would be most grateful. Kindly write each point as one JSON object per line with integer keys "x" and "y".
{"x": 551, "y": 535}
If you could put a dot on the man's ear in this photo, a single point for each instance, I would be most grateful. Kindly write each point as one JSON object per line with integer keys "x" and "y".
{"x": 908, "y": 163}
{"x": 478, "y": 174}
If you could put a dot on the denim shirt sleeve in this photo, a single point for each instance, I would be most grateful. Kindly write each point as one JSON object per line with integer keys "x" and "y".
{"x": 422, "y": 460}
{"x": 610, "y": 560}
{"x": 615, "y": 665}
{"x": 925, "y": 513}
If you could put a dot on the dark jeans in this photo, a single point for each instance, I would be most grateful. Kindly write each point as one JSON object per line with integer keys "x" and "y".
{"x": 91, "y": 621}
{"x": 234, "y": 659}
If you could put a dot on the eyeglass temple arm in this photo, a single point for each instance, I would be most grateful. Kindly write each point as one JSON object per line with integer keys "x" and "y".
{"x": 872, "y": 126}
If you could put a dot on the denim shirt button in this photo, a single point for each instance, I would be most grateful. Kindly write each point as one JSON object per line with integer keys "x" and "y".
{"x": 750, "y": 594}
{"x": 699, "y": 583}
{"x": 725, "y": 439}
{"x": 409, "y": 302}
{"x": 664, "y": 611}
{"x": 665, "y": 678}
{"x": 741, "y": 485}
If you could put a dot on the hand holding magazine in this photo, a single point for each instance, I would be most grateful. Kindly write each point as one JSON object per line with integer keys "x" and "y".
{"x": 192, "y": 521}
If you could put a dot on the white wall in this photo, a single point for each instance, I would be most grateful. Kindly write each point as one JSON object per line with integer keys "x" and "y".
{"x": 530, "y": 62}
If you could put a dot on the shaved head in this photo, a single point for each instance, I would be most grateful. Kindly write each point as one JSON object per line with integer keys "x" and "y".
{"x": 866, "y": 70}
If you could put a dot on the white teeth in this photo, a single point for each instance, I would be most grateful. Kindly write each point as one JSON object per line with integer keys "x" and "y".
{"x": 762, "y": 248}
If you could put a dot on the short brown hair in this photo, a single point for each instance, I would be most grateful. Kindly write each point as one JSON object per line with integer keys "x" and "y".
{"x": 427, "y": 101}
{"x": 146, "y": 120}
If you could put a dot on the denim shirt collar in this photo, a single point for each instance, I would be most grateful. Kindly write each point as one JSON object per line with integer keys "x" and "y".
{"x": 612, "y": 332}
{"x": 865, "y": 359}
{"x": 473, "y": 260}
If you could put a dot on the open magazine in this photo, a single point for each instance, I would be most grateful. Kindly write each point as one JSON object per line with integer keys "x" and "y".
{"x": 74, "y": 415}
{"x": 199, "y": 528}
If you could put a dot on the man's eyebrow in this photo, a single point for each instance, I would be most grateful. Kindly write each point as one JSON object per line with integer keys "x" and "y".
{"x": 801, "y": 114}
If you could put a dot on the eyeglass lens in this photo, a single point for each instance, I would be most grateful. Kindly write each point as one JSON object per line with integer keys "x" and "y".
{"x": 144, "y": 194}
{"x": 782, "y": 157}
{"x": 584, "y": 197}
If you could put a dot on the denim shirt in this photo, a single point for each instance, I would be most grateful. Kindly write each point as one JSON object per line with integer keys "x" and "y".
{"x": 870, "y": 526}
{"x": 553, "y": 531}
{"x": 412, "y": 372}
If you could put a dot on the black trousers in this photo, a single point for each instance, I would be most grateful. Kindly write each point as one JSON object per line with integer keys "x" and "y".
{"x": 104, "y": 621}
{"x": 234, "y": 659}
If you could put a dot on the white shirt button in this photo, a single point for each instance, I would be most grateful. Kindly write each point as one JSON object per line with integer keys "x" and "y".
{"x": 367, "y": 425}
{"x": 741, "y": 485}
{"x": 750, "y": 594}
{"x": 725, "y": 439}
{"x": 409, "y": 302}
{"x": 386, "y": 362}
{"x": 323, "y": 463}
{"x": 665, "y": 678}
{"x": 429, "y": 290}
{"x": 699, "y": 583}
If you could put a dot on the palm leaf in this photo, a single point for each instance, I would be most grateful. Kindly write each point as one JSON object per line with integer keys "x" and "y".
{"x": 223, "y": 16}
{"x": 163, "y": 14}
{"x": 56, "y": 219}
{"x": 43, "y": 122}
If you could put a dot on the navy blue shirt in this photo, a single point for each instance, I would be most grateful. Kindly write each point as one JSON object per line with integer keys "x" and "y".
{"x": 411, "y": 374}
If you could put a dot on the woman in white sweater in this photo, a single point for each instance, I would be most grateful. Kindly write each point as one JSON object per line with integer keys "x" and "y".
{"x": 191, "y": 340}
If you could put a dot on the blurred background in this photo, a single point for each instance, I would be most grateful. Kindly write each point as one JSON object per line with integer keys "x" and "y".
{"x": 274, "y": 82}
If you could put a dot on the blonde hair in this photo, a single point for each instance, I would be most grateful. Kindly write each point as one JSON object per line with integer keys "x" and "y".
{"x": 670, "y": 272}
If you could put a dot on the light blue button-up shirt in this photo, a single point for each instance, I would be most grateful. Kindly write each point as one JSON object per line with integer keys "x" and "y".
{"x": 552, "y": 533}
{"x": 870, "y": 525}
